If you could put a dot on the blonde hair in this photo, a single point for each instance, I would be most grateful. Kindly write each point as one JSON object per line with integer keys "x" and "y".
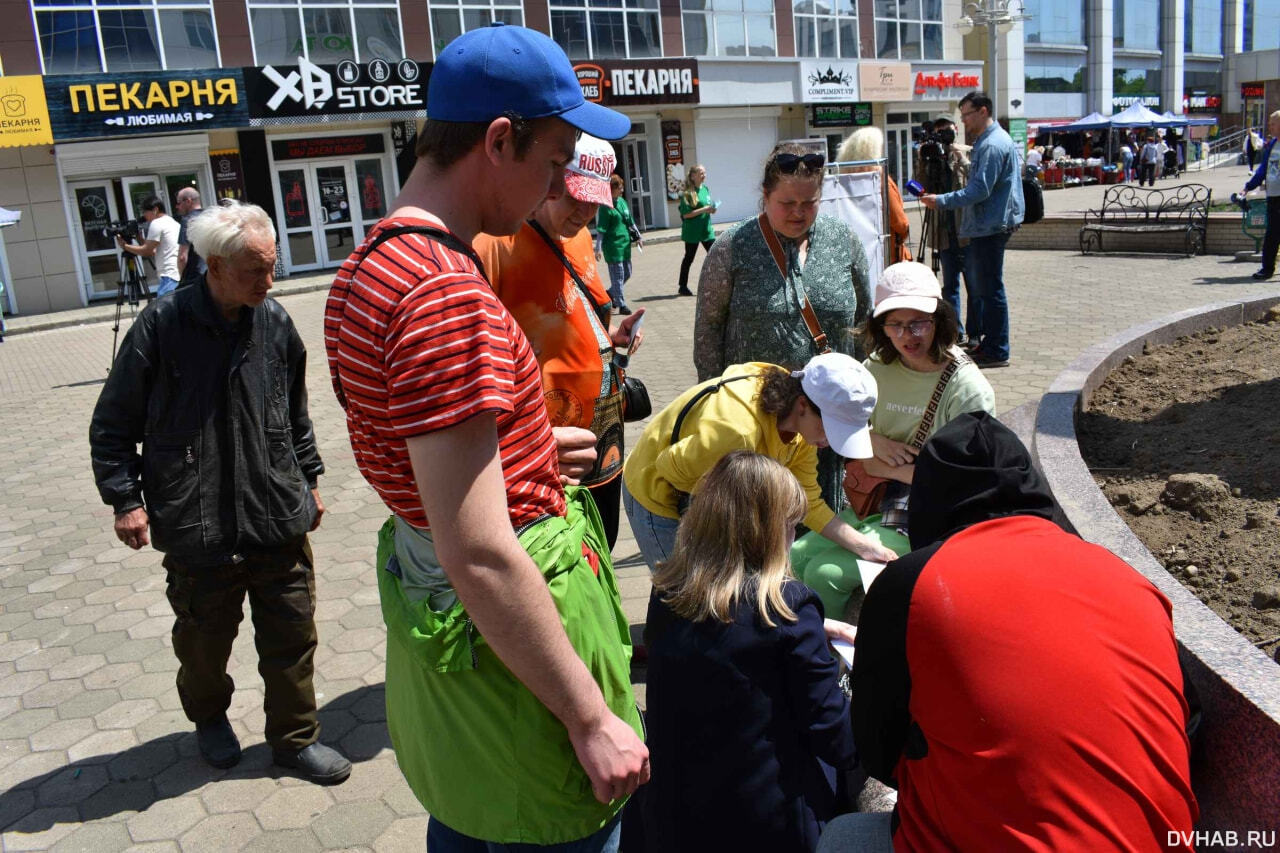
{"x": 865, "y": 143}
{"x": 689, "y": 195}
{"x": 733, "y": 542}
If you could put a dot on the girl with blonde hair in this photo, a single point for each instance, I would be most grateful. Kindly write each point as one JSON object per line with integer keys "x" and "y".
{"x": 867, "y": 143}
{"x": 747, "y": 723}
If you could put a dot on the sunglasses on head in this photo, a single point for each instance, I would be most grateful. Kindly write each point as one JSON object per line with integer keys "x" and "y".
{"x": 788, "y": 163}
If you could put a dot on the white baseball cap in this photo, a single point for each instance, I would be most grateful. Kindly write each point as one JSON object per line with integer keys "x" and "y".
{"x": 587, "y": 176}
{"x": 845, "y": 393}
{"x": 907, "y": 284}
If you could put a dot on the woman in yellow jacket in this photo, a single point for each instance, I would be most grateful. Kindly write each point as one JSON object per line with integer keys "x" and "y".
{"x": 762, "y": 408}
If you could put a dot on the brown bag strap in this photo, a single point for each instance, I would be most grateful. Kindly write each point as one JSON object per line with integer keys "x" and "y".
{"x": 806, "y": 310}
{"x": 931, "y": 412}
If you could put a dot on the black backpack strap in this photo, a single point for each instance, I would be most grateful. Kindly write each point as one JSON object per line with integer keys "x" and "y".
{"x": 431, "y": 233}
{"x": 697, "y": 398}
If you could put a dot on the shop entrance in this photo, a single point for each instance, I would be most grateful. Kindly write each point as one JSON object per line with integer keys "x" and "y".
{"x": 633, "y": 163}
{"x": 326, "y": 204}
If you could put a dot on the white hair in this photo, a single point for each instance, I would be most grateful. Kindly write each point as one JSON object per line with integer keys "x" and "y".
{"x": 221, "y": 232}
{"x": 865, "y": 143}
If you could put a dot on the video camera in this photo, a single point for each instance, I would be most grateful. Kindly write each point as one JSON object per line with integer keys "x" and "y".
{"x": 128, "y": 230}
{"x": 932, "y": 144}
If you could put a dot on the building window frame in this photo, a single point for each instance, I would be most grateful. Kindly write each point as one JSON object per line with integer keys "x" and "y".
{"x": 840, "y": 19}
{"x": 152, "y": 9}
{"x": 927, "y": 19}
{"x": 488, "y": 11}
{"x": 351, "y": 7}
{"x": 715, "y": 13}
{"x": 632, "y": 12}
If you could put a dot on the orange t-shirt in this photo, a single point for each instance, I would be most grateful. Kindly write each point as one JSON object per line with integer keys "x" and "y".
{"x": 542, "y": 296}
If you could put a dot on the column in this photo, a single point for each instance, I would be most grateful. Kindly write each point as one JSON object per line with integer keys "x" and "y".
{"x": 1232, "y": 47}
{"x": 1174, "y": 55}
{"x": 1099, "y": 32}
{"x": 1012, "y": 72}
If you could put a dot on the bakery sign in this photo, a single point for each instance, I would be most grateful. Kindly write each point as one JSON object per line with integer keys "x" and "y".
{"x": 623, "y": 82}
{"x": 932, "y": 84}
{"x": 828, "y": 81}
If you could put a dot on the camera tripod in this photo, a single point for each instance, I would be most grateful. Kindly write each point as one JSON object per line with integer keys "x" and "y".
{"x": 131, "y": 288}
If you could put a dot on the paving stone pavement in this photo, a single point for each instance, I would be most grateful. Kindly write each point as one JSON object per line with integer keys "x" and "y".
{"x": 95, "y": 752}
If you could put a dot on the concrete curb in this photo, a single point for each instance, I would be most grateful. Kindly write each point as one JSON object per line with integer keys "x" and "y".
{"x": 1236, "y": 757}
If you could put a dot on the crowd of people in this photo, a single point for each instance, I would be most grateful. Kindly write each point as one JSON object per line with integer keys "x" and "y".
{"x": 473, "y": 347}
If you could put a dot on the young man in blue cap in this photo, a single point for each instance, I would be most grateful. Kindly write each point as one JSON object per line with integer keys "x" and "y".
{"x": 508, "y": 693}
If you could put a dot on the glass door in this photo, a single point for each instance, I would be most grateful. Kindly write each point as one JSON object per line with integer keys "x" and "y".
{"x": 898, "y": 152}
{"x": 95, "y": 205}
{"x": 333, "y": 207}
{"x": 635, "y": 171}
{"x": 136, "y": 189}
{"x": 294, "y": 186}
{"x": 327, "y": 206}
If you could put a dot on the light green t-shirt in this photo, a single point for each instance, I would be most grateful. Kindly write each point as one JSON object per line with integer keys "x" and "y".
{"x": 904, "y": 395}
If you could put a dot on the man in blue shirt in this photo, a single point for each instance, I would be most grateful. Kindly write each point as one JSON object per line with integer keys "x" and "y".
{"x": 988, "y": 209}
{"x": 1269, "y": 173}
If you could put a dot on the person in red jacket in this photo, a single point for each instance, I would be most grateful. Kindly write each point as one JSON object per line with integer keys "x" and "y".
{"x": 1019, "y": 686}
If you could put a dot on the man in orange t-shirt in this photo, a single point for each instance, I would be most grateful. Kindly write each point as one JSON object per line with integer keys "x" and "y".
{"x": 546, "y": 276}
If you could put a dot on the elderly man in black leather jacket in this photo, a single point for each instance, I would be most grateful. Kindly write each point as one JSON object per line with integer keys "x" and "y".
{"x": 210, "y": 381}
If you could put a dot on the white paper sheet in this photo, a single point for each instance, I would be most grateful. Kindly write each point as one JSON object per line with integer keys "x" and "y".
{"x": 869, "y": 571}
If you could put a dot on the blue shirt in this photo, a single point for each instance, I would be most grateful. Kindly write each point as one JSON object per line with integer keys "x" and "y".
{"x": 991, "y": 203}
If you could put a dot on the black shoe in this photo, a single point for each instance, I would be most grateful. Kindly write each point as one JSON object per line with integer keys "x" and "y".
{"x": 684, "y": 291}
{"x": 624, "y": 310}
{"x": 971, "y": 345}
{"x": 318, "y": 763}
{"x": 1263, "y": 275}
{"x": 985, "y": 361}
{"x": 218, "y": 743}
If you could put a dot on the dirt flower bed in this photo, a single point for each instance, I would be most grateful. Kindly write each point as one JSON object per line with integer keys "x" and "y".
{"x": 1184, "y": 440}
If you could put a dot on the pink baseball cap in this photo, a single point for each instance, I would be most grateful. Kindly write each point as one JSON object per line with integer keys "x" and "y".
{"x": 587, "y": 176}
{"x": 907, "y": 284}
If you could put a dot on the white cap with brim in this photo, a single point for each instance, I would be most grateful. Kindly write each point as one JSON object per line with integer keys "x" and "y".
{"x": 907, "y": 284}
{"x": 845, "y": 393}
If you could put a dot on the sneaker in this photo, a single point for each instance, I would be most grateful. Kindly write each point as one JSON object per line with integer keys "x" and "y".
{"x": 985, "y": 361}
{"x": 684, "y": 291}
{"x": 971, "y": 345}
{"x": 318, "y": 763}
{"x": 1263, "y": 275}
{"x": 624, "y": 310}
{"x": 218, "y": 744}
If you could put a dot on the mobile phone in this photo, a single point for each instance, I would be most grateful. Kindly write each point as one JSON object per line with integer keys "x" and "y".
{"x": 635, "y": 333}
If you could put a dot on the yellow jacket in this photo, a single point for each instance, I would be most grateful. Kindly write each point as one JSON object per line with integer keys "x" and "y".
{"x": 727, "y": 420}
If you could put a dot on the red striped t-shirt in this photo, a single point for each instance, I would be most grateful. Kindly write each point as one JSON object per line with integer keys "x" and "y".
{"x": 417, "y": 342}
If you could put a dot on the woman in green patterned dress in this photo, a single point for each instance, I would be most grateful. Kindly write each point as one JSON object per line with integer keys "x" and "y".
{"x": 748, "y": 310}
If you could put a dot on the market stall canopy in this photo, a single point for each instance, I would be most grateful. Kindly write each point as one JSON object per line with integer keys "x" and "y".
{"x": 1137, "y": 115}
{"x": 1171, "y": 120}
{"x": 1093, "y": 121}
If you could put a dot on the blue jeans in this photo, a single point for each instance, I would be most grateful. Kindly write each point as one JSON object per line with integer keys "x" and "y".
{"x": 655, "y": 534}
{"x": 984, "y": 273}
{"x": 618, "y": 275}
{"x": 442, "y": 839}
{"x": 864, "y": 832}
{"x": 953, "y": 262}
{"x": 167, "y": 285}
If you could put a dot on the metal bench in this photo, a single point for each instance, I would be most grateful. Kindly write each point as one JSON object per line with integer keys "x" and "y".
{"x": 1128, "y": 209}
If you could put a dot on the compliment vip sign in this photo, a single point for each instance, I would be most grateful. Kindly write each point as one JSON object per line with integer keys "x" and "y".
{"x": 307, "y": 93}
{"x": 87, "y": 106}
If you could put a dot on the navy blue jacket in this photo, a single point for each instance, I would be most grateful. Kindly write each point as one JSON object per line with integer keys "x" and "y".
{"x": 739, "y": 716}
{"x": 1260, "y": 174}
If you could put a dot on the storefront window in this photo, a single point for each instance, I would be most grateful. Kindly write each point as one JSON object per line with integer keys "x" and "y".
{"x": 452, "y": 18}
{"x": 1053, "y": 76}
{"x": 604, "y": 29}
{"x": 1136, "y": 24}
{"x": 1130, "y": 85}
{"x": 729, "y": 28}
{"x": 826, "y": 28}
{"x": 1261, "y": 24}
{"x": 908, "y": 29}
{"x": 78, "y": 36}
{"x": 284, "y": 30}
{"x": 1203, "y": 26}
{"x": 1055, "y": 22}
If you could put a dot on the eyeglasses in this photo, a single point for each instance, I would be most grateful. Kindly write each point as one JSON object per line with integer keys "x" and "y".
{"x": 965, "y": 114}
{"x": 917, "y": 328}
{"x": 788, "y": 163}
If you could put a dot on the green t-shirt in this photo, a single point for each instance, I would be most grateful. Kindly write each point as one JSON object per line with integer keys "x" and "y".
{"x": 904, "y": 395}
{"x": 611, "y": 223}
{"x": 698, "y": 229}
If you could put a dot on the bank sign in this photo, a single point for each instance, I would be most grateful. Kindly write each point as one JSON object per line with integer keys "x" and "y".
{"x": 307, "y": 93}
{"x": 624, "y": 82}
{"x": 828, "y": 82}
{"x": 91, "y": 106}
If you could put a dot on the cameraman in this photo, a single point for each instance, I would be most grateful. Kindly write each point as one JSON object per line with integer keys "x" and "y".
{"x": 989, "y": 209}
{"x": 944, "y": 165}
{"x": 161, "y": 242}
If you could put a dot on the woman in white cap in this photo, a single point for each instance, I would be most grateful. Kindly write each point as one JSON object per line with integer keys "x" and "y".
{"x": 911, "y": 337}
{"x": 546, "y": 276}
{"x": 764, "y": 408}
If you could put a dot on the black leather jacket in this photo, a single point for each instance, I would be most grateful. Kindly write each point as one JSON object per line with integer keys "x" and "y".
{"x": 162, "y": 393}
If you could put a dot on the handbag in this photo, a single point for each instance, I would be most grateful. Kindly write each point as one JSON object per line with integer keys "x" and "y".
{"x": 633, "y": 233}
{"x": 819, "y": 337}
{"x": 636, "y": 405}
{"x": 866, "y": 494}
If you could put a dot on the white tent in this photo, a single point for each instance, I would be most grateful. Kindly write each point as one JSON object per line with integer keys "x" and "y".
{"x": 1137, "y": 115}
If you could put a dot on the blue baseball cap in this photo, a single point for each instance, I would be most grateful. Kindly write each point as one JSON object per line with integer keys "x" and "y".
{"x": 485, "y": 72}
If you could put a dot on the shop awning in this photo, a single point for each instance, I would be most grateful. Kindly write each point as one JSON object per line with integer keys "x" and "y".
{"x": 1093, "y": 121}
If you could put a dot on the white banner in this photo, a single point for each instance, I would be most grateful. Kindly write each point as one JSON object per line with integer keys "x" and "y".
{"x": 857, "y": 200}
